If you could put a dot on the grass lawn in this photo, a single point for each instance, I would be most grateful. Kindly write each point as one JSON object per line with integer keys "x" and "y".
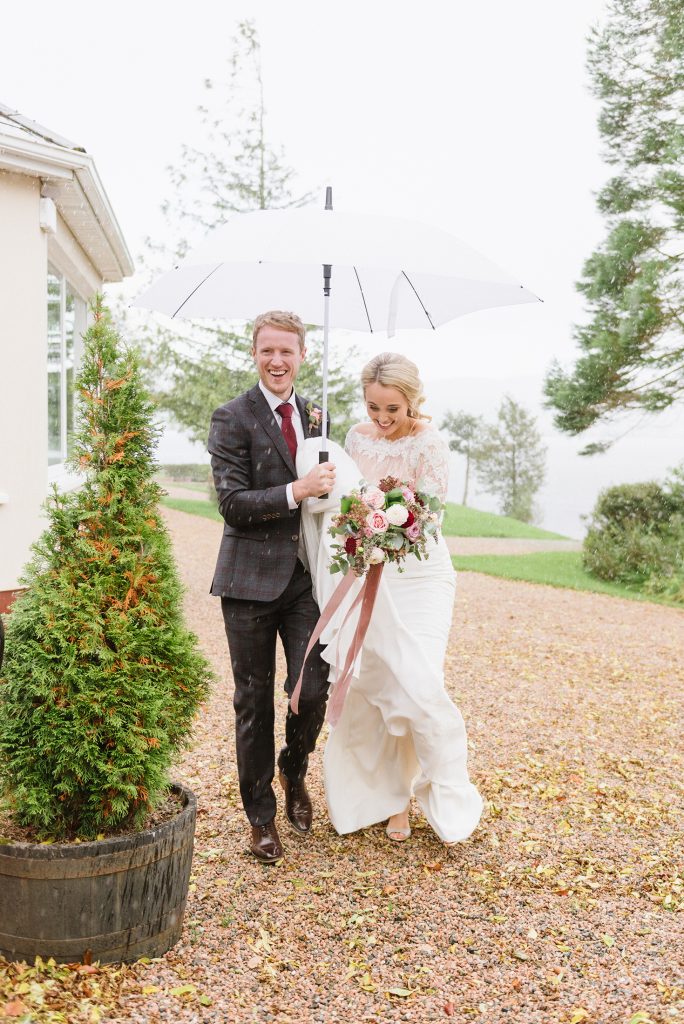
{"x": 184, "y": 485}
{"x": 462, "y": 521}
{"x": 554, "y": 568}
{"x": 194, "y": 507}
{"x": 459, "y": 521}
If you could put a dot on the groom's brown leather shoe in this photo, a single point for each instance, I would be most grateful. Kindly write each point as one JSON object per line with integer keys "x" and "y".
{"x": 266, "y": 845}
{"x": 298, "y": 806}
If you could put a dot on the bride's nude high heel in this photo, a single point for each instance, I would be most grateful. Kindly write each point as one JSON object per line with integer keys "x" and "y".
{"x": 398, "y": 833}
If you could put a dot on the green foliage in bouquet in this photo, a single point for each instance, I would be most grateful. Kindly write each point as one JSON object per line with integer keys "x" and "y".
{"x": 101, "y": 679}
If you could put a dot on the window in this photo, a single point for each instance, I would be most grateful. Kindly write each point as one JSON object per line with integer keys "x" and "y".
{"x": 66, "y": 313}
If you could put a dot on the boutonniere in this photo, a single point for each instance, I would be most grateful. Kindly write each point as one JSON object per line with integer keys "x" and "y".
{"x": 314, "y": 414}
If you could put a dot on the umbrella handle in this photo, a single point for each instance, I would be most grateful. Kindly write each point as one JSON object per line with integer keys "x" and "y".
{"x": 323, "y": 457}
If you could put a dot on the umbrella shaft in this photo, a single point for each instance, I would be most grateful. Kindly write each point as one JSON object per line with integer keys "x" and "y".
{"x": 327, "y": 274}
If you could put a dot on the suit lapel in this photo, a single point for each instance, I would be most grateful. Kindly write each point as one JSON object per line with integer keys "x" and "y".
{"x": 264, "y": 415}
{"x": 309, "y": 429}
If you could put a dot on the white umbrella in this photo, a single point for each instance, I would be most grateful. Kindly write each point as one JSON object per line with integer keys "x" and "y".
{"x": 385, "y": 273}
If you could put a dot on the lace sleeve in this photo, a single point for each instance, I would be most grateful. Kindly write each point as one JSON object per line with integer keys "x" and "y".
{"x": 432, "y": 470}
{"x": 350, "y": 442}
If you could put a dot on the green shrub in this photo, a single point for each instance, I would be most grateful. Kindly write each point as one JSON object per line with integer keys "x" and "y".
{"x": 636, "y": 536}
{"x": 101, "y": 679}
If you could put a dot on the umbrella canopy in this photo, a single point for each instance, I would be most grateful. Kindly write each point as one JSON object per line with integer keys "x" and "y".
{"x": 387, "y": 272}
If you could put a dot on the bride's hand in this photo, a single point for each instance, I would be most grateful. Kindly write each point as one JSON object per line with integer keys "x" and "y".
{"x": 319, "y": 480}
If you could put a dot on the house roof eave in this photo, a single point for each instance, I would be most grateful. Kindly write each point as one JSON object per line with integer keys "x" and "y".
{"x": 69, "y": 177}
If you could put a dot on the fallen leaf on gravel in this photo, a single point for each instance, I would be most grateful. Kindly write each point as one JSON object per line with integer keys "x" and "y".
{"x": 578, "y": 1015}
{"x": 15, "y": 1008}
{"x": 449, "y": 1009}
{"x": 147, "y": 990}
{"x": 640, "y": 1018}
{"x": 183, "y": 990}
{"x": 401, "y": 993}
{"x": 608, "y": 940}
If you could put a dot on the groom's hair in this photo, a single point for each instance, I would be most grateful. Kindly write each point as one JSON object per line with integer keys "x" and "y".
{"x": 282, "y": 319}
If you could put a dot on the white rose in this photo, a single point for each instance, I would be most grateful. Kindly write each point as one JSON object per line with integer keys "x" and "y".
{"x": 377, "y": 555}
{"x": 397, "y": 514}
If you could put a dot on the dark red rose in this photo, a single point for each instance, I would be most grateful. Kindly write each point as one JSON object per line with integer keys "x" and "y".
{"x": 350, "y": 545}
{"x": 410, "y": 520}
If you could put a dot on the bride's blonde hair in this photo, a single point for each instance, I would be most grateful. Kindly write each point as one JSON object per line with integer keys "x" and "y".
{"x": 392, "y": 370}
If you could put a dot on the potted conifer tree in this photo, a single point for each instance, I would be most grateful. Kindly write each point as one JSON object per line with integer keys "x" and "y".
{"x": 100, "y": 684}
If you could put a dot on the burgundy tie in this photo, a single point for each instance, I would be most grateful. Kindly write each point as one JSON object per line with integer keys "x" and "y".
{"x": 288, "y": 430}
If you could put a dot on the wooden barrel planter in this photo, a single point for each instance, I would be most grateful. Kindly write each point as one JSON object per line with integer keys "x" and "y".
{"x": 109, "y": 900}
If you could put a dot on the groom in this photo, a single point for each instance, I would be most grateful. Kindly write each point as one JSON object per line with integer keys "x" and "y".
{"x": 262, "y": 577}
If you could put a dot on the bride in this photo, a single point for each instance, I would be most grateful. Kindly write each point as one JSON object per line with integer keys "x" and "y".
{"x": 398, "y": 735}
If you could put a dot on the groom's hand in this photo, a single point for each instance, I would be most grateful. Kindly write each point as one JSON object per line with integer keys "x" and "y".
{"x": 319, "y": 480}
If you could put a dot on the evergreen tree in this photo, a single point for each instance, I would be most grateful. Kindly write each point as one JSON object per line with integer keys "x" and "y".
{"x": 101, "y": 678}
{"x": 238, "y": 169}
{"x": 464, "y": 433}
{"x": 199, "y": 365}
{"x": 633, "y": 344}
{"x": 512, "y": 460}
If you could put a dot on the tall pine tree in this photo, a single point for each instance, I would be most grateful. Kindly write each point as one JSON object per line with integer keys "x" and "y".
{"x": 101, "y": 680}
{"x": 199, "y": 365}
{"x": 632, "y": 347}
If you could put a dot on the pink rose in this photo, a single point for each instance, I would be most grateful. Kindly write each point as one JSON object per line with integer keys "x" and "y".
{"x": 413, "y": 532}
{"x": 408, "y": 494}
{"x": 374, "y": 497}
{"x": 377, "y": 522}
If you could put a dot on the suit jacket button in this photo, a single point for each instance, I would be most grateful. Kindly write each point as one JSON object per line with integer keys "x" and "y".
{"x": 295, "y": 536}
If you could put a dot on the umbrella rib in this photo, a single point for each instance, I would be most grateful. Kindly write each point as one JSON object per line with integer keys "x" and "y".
{"x": 358, "y": 281}
{"x": 188, "y": 297}
{"x": 420, "y": 300}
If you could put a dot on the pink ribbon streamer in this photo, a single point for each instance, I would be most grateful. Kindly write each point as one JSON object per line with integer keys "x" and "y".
{"x": 366, "y": 597}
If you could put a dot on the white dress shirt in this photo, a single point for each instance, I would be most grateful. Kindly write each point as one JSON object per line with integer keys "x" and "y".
{"x": 274, "y": 401}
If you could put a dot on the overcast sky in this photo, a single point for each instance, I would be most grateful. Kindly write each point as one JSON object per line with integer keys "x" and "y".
{"x": 477, "y": 117}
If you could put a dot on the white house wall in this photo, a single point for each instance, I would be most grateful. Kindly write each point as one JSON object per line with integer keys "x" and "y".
{"x": 25, "y": 251}
{"x": 23, "y": 372}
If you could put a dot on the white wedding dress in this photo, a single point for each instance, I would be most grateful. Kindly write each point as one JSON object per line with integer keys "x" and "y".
{"x": 399, "y": 734}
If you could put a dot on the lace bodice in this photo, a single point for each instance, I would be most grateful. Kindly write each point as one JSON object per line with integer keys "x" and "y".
{"x": 422, "y": 459}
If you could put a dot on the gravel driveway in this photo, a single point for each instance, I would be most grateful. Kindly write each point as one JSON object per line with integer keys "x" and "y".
{"x": 564, "y": 906}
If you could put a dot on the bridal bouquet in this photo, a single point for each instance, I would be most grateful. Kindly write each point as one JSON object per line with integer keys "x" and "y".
{"x": 382, "y": 524}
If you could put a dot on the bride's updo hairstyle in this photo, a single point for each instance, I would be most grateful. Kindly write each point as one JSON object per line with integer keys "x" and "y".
{"x": 392, "y": 370}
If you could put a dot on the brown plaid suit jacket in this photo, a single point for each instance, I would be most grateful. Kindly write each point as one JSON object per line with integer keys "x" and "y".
{"x": 252, "y": 467}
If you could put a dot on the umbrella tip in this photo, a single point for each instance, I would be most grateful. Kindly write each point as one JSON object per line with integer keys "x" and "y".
{"x": 328, "y": 197}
